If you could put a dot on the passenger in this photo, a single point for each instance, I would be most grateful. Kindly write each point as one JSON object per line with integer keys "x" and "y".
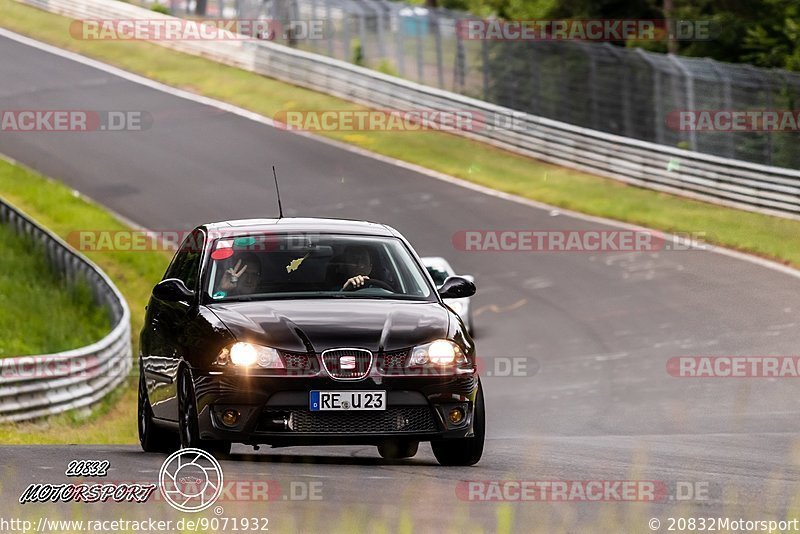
{"x": 243, "y": 278}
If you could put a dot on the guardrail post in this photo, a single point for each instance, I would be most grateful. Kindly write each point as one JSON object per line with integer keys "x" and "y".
{"x": 437, "y": 35}
{"x": 725, "y": 80}
{"x": 658, "y": 115}
{"x": 485, "y": 61}
{"x": 689, "y": 99}
{"x": 330, "y": 29}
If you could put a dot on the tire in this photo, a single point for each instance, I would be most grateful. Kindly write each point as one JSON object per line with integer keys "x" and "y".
{"x": 398, "y": 449}
{"x": 188, "y": 427}
{"x": 151, "y": 437}
{"x": 464, "y": 451}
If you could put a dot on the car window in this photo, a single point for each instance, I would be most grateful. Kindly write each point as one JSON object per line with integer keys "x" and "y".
{"x": 186, "y": 264}
{"x": 313, "y": 266}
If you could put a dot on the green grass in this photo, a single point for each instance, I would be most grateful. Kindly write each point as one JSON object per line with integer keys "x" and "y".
{"x": 63, "y": 211}
{"x": 31, "y": 290}
{"x": 760, "y": 234}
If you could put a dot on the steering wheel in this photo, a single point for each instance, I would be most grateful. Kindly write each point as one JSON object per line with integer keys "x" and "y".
{"x": 370, "y": 282}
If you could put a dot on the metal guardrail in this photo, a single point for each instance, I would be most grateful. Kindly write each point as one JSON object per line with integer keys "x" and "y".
{"x": 745, "y": 185}
{"x": 36, "y": 386}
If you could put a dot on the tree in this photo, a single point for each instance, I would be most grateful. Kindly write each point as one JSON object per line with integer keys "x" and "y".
{"x": 765, "y": 33}
{"x": 775, "y": 42}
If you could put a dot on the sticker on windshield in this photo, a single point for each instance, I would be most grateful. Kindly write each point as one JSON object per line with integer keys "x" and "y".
{"x": 295, "y": 264}
{"x": 222, "y": 254}
{"x": 244, "y": 241}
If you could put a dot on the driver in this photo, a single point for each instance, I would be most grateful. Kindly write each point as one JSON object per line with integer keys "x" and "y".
{"x": 356, "y": 267}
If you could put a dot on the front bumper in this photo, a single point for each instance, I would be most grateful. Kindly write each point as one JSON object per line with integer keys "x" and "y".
{"x": 275, "y": 409}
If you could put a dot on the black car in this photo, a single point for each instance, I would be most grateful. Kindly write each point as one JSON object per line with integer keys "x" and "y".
{"x": 307, "y": 331}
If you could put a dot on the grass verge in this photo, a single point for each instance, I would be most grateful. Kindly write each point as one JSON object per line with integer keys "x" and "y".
{"x": 759, "y": 234}
{"x": 31, "y": 289}
{"x": 62, "y": 210}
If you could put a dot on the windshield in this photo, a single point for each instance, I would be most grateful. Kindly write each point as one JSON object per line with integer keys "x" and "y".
{"x": 268, "y": 266}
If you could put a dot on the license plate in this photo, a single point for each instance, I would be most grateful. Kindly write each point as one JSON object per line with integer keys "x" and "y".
{"x": 320, "y": 401}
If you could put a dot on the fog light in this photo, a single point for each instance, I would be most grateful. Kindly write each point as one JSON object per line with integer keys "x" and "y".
{"x": 230, "y": 417}
{"x": 456, "y": 415}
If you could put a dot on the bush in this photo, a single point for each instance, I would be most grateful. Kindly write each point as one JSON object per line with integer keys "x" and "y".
{"x": 160, "y": 8}
{"x": 358, "y": 53}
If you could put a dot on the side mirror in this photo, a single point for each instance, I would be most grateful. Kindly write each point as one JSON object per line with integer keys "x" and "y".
{"x": 172, "y": 290}
{"x": 456, "y": 287}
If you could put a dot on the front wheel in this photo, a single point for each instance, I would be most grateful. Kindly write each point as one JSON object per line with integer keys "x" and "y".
{"x": 464, "y": 451}
{"x": 151, "y": 437}
{"x": 188, "y": 427}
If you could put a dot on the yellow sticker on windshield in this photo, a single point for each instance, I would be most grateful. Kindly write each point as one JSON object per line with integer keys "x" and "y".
{"x": 295, "y": 264}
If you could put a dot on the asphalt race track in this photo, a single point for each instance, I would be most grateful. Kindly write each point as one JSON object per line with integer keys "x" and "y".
{"x": 596, "y": 403}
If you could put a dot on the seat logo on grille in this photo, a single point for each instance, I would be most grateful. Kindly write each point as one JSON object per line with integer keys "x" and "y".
{"x": 347, "y": 363}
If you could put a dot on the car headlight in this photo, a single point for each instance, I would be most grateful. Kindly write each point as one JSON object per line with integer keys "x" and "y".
{"x": 439, "y": 352}
{"x": 248, "y": 355}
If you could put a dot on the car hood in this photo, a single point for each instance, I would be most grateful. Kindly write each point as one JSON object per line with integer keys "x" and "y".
{"x": 320, "y": 324}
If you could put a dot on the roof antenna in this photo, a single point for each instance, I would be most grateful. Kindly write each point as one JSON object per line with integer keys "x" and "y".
{"x": 280, "y": 207}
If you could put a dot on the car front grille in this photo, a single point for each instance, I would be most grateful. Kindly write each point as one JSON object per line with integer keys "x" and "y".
{"x": 398, "y": 419}
{"x": 392, "y": 363}
{"x": 300, "y": 363}
{"x": 386, "y": 363}
{"x": 347, "y": 364}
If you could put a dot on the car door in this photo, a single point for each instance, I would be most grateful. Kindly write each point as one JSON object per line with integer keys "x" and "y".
{"x": 168, "y": 325}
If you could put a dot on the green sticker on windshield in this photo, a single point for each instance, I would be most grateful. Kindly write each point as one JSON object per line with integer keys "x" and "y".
{"x": 244, "y": 241}
{"x": 219, "y": 295}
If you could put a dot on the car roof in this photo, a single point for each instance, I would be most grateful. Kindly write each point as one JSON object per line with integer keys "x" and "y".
{"x": 303, "y": 224}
